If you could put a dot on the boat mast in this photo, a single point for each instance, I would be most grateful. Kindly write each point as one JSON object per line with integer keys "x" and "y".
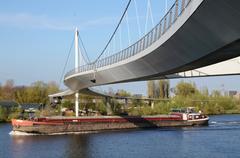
{"x": 76, "y": 70}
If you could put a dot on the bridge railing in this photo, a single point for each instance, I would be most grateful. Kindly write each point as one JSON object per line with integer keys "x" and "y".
{"x": 152, "y": 36}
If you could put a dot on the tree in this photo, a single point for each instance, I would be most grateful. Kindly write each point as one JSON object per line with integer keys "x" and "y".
{"x": 216, "y": 93}
{"x": 164, "y": 88}
{"x": 1, "y": 95}
{"x": 167, "y": 89}
{"x": 150, "y": 86}
{"x": 156, "y": 90}
{"x": 7, "y": 90}
{"x": 38, "y": 92}
{"x": 123, "y": 93}
{"x": 67, "y": 104}
{"x": 3, "y": 114}
{"x": 52, "y": 87}
{"x": 186, "y": 89}
{"x": 21, "y": 95}
{"x": 205, "y": 91}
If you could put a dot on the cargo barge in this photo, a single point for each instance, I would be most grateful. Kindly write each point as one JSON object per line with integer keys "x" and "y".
{"x": 59, "y": 124}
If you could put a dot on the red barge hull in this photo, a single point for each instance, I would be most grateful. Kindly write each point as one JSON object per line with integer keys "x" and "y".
{"x": 56, "y": 125}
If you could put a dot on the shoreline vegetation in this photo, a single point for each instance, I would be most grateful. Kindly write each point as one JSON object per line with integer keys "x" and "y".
{"x": 185, "y": 94}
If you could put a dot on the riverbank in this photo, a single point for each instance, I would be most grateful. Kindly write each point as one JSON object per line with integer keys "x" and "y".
{"x": 213, "y": 108}
{"x": 5, "y": 121}
{"x": 141, "y": 110}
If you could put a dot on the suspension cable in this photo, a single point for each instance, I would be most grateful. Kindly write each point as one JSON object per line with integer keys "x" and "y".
{"x": 120, "y": 37}
{"x": 128, "y": 30}
{"x": 150, "y": 10}
{"x": 84, "y": 49}
{"x": 166, "y": 6}
{"x": 137, "y": 14}
{"x": 120, "y": 21}
{"x": 83, "y": 59}
{"x": 149, "y": 13}
{"x": 66, "y": 62}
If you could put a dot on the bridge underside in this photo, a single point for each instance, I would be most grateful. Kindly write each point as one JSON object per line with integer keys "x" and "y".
{"x": 228, "y": 67}
{"x": 225, "y": 68}
{"x": 206, "y": 33}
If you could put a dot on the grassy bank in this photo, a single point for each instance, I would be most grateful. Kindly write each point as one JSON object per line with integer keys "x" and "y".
{"x": 164, "y": 108}
{"x": 188, "y": 95}
{"x": 210, "y": 105}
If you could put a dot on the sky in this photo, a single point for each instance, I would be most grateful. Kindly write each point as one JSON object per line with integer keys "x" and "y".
{"x": 35, "y": 37}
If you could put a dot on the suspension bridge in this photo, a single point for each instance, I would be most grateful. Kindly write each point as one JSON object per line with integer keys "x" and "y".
{"x": 195, "y": 38}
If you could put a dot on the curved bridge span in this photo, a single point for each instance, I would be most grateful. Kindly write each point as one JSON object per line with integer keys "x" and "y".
{"x": 192, "y": 35}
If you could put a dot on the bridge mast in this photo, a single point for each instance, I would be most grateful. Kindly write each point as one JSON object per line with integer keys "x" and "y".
{"x": 76, "y": 69}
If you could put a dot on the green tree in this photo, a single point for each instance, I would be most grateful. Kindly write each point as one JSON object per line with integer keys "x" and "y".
{"x": 3, "y": 114}
{"x": 21, "y": 95}
{"x": 164, "y": 88}
{"x": 150, "y": 89}
{"x": 52, "y": 87}
{"x": 67, "y": 104}
{"x": 116, "y": 106}
{"x": 7, "y": 90}
{"x": 186, "y": 89}
{"x": 1, "y": 95}
{"x": 216, "y": 93}
{"x": 38, "y": 92}
{"x": 123, "y": 93}
{"x": 205, "y": 91}
{"x": 101, "y": 107}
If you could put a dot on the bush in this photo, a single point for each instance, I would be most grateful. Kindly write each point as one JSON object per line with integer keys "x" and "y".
{"x": 215, "y": 104}
{"x": 67, "y": 104}
{"x": 3, "y": 114}
{"x": 6, "y": 114}
{"x": 116, "y": 107}
{"x": 48, "y": 111}
{"x": 13, "y": 114}
{"x": 101, "y": 107}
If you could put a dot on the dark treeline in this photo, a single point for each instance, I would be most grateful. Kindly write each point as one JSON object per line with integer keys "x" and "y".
{"x": 37, "y": 92}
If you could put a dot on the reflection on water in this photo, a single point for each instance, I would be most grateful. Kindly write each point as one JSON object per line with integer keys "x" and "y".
{"x": 220, "y": 139}
{"x": 78, "y": 146}
{"x": 50, "y": 146}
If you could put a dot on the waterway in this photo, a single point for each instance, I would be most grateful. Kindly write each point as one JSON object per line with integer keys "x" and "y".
{"x": 221, "y": 139}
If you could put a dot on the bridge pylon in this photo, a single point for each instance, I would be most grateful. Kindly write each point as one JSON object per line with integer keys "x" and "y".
{"x": 77, "y": 54}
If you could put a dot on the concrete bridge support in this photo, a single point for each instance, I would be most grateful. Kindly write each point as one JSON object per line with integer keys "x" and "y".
{"x": 126, "y": 104}
{"x": 152, "y": 103}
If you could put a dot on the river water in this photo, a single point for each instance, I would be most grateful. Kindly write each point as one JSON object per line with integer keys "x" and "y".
{"x": 221, "y": 139}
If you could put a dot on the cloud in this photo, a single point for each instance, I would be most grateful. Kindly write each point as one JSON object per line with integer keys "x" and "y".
{"x": 24, "y": 20}
{"x": 98, "y": 22}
